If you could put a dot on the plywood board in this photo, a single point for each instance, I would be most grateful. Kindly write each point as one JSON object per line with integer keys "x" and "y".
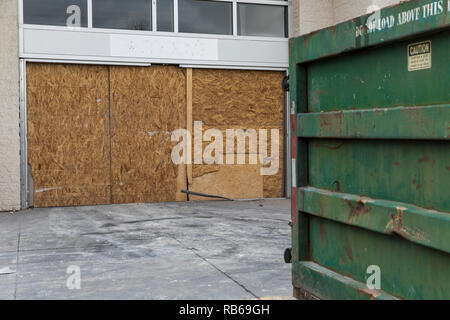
{"x": 189, "y": 121}
{"x": 68, "y": 144}
{"x": 147, "y": 105}
{"x": 252, "y": 99}
{"x": 99, "y": 135}
{"x": 236, "y": 99}
{"x": 234, "y": 182}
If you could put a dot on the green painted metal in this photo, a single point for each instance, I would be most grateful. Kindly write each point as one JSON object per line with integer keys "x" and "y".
{"x": 355, "y": 34}
{"x": 429, "y": 228}
{"x": 391, "y": 123}
{"x": 321, "y": 281}
{"x": 409, "y": 171}
{"x": 372, "y": 149}
{"x": 376, "y": 78}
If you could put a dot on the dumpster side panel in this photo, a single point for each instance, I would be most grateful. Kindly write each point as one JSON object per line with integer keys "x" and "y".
{"x": 403, "y": 171}
{"x": 376, "y": 78}
{"x": 372, "y": 156}
{"x": 408, "y": 270}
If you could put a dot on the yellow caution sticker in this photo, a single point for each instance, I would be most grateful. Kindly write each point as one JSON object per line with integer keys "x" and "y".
{"x": 419, "y": 56}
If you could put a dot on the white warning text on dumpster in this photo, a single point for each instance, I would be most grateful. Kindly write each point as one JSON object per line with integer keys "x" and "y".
{"x": 376, "y": 22}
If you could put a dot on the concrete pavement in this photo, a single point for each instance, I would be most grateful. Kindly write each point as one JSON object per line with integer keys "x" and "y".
{"x": 195, "y": 250}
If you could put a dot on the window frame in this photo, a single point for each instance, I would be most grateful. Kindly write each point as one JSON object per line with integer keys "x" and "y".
{"x": 234, "y": 35}
{"x": 286, "y": 15}
{"x": 233, "y": 16}
{"x": 91, "y": 22}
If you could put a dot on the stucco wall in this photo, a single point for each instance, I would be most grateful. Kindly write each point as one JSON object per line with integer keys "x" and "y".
{"x": 311, "y": 15}
{"x": 348, "y": 9}
{"x": 9, "y": 107}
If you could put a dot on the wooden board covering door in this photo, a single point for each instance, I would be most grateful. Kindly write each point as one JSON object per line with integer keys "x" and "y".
{"x": 68, "y": 134}
{"x": 101, "y": 135}
{"x": 238, "y": 99}
{"x": 147, "y": 105}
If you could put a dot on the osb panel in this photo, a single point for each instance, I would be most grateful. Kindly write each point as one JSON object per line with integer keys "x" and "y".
{"x": 247, "y": 150}
{"x": 73, "y": 196}
{"x": 234, "y": 182}
{"x": 67, "y": 75}
{"x": 273, "y": 185}
{"x": 235, "y": 99}
{"x": 68, "y": 143}
{"x": 252, "y": 99}
{"x": 75, "y": 101}
{"x": 181, "y": 183}
{"x": 44, "y": 179}
{"x": 147, "y": 104}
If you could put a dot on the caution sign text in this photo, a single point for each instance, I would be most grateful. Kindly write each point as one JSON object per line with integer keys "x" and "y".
{"x": 419, "y": 56}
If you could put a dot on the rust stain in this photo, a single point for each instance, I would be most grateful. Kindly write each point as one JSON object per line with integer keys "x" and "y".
{"x": 348, "y": 249}
{"x": 426, "y": 158}
{"x": 379, "y": 111}
{"x": 335, "y": 147}
{"x": 325, "y": 122}
{"x": 333, "y": 29}
{"x": 395, "y": 226}
{"x": 339, "y": 120}
{"x": 397, "y": 164}
{"x": 372, "y": 293}
{"x": 447, "y": 167}
{"x": 358, "y": 210}
{"x": 398, "y": 219}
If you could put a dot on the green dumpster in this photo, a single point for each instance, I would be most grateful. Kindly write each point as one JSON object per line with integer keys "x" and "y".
{"x": 371, "y": 156}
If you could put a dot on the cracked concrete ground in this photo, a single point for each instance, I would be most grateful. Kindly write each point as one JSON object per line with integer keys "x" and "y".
{"x": 194, "y": 250}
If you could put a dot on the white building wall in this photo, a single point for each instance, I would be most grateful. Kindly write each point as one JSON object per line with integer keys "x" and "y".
{"x": 9, "y": 107}
{"x": 348, "y": 9}
{"x": 312, "y": 15}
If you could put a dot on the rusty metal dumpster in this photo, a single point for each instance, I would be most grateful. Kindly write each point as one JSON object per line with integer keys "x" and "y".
{"x": 371, "y": 156}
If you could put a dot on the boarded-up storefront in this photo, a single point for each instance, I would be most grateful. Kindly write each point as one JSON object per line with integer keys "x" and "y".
{"x": 102, "y": 134}
{"x": 68, "y": 134}
{"x": 236, "y": 99}
{"x": 147, "y": 105}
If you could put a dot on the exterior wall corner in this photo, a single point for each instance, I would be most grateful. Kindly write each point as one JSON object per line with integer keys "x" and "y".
{"x": 9, "y": 107}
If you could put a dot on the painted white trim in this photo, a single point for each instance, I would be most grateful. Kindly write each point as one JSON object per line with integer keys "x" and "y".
{"x": 89, "y": 13}
{"x": 134, "y": 61}
{"x": 294, "y": 173}
{"x": 23, "y": 137}
{"x": 235, "y": 19}
{"x": 107, "y": 63}
{"x": 153, "y": 33}
{"x": 20, "y": 8}
{"x": 154, "y": 16}
{"x": 175, "y": 17}
{"x": 266, "y": 2}
{"x": 290, "y": 20}
{"x": 293, "y": 106}
{"x": 205, "y": 66}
